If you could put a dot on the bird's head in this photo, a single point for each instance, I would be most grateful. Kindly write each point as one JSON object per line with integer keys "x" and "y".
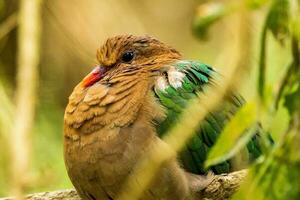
{"x": 128, "y": 53}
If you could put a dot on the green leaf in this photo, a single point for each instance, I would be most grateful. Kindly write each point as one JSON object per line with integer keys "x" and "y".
{"x": 206, "y": 15}
{"x": 235, "y": 135}
{"x": 278, "y": 176}
{"x": 296, "y": 27}
{"x": 278, "y": 19}
{"x": 256, "y": 4}
{"x": 292, "y": 102}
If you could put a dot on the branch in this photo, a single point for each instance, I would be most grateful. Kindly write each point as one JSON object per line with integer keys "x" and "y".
{"x": 220, "y": 187}
{"x": 8, "y": 25}
{"x": 69, "y": 194}
{"x": 223, "y": 186}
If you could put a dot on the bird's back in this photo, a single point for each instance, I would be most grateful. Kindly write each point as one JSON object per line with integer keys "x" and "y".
{"x": 195, "y": 79}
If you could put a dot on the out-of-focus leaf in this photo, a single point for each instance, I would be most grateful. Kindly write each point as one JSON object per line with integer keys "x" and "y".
{"x": 235, "y": 135}
{"x": 295, "y": 20}
{"x": 256, "y": 4}
{"x": 279, "y": 122}
{"x": 296, "y": 27}
{"x": 278, "y": 176}
{"x": 206, "y": 15}
{"x": 262, "y": 64}
{"x": 278, "y": 19}
{"x": 292, "y": 101}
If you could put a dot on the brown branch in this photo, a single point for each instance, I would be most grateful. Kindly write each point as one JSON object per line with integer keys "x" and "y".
{"x": 69, "y": 194}
{"x": 223, "y": 186}
{"x": 220, "y": 187}
{"x": 8, "y": 25}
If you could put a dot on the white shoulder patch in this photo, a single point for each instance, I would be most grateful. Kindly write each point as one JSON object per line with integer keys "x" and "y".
{"x": 175, "y": 77}
{"x": 161, "y": 83}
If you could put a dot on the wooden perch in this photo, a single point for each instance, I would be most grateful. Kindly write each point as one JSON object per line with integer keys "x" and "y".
{"x": 221, "y": 187}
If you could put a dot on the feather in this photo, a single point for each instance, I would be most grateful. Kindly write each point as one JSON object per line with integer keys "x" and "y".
{"x": 197, "y": 77}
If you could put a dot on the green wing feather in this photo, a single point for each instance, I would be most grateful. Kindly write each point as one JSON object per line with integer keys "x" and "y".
{"x": 198, "y": 77}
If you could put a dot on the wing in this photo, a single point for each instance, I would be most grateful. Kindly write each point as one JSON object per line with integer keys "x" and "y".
{"x": 185, "y": 80}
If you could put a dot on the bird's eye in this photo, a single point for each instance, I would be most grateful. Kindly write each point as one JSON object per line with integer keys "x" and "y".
{"x": 128, "y": 56}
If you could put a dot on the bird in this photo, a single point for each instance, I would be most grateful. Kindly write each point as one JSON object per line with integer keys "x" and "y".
{"x": 132, "y": 97}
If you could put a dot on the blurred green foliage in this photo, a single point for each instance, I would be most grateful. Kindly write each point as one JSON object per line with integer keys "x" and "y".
{"x": 278, "y": 19}
{"x": 207, "y": 14}
{"x": 276, "y": 175}
{"x": 69, "y": 42}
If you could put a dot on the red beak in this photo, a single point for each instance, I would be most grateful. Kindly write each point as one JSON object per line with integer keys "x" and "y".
{"x": 96, "y": 75}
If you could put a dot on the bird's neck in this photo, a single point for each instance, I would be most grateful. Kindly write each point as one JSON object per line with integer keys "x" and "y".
{"x": 118, "y": 104}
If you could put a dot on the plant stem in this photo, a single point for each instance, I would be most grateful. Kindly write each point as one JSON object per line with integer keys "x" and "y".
{"x": 27, "y": 75}
{"x": 262, "y": 62}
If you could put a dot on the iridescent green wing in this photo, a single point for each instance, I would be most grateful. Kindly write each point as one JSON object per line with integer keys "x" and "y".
{"x": 189, "y": 79}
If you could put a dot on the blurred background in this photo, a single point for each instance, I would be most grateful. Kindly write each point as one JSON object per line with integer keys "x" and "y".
{"x": 71, "y": 32}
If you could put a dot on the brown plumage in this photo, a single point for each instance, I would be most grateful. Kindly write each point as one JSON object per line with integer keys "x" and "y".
{"x": 108, "y": 121}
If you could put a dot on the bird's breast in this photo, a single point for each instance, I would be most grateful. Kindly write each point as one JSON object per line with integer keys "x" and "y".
{"x": 107, "y": 155}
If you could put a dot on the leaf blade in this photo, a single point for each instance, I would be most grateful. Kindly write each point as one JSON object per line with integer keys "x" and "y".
{"x": 234, "y": 136}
